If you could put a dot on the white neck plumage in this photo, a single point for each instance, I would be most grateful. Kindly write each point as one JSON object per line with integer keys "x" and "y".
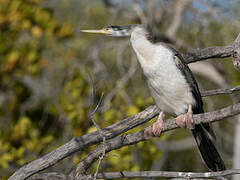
{"x": 142, "y": 46}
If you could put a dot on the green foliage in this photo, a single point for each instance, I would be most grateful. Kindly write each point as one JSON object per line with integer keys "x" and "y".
{"x": 26, "y": 31}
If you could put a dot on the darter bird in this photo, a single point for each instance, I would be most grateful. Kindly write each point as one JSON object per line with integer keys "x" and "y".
{"x": 172, "y": 86}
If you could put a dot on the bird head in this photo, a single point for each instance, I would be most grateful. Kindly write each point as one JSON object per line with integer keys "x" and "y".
{"x": 117, "y": 31}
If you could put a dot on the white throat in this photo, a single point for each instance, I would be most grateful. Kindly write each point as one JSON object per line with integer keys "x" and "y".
{"x": 143, "y": 48}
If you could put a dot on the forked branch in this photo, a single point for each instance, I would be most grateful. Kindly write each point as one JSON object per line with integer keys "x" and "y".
{"x": 133, "y": 138}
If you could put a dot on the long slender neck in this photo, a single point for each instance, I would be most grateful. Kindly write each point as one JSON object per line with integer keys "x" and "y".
{"x": 143, "y": 47}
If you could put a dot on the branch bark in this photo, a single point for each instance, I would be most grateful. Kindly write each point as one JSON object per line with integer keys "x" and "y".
{"x": 207, "y": 53}
{"x": 51, "y": 176}
{"x": 142, "y": 174}
{"x": 232, "y": 50}
{"x": 168, "y": 174}
{"x": 236, "y": 54}
{"x": 220, "y": 91}
{"x": 133, "y": 138}
{"x": 79, "y": 143}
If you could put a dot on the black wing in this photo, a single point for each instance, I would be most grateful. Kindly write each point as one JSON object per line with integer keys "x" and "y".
{"x": 187, "y": 73}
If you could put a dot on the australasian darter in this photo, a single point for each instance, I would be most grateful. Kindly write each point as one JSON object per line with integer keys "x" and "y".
{"x": 172, "y": 86}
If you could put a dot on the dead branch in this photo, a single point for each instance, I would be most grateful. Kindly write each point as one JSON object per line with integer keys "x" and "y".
{"x": 51, "y": 175}
{"x": 207, "y": 53}
{"x": 100, "y": 132}
{"x": 143, "y": 174}
{"x": 79, "y": 143}
{"x": 220, "y": 91}
{"x": 204, "y": 53}
{"x": 236, "y": 54}
{"x": 168, "y": 174}
{"x": 133, "y": 138}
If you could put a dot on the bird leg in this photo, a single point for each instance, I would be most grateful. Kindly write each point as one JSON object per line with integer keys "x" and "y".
{"x": 155, "y": 129}
{"x": 186, "y": 120}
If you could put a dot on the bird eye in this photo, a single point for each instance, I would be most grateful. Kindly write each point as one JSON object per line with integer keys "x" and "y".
{"x": 107, "y": 29}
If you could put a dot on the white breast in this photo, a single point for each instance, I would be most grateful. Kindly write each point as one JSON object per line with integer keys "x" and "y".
{"x": 167, "y": 85}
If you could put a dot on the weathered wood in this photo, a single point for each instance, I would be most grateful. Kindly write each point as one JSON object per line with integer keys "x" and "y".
{"x": 79, "y": 143}
{"x": 133, "y": 138}
{"x": 208, "y": 53}
{"x": 142, "y": 174}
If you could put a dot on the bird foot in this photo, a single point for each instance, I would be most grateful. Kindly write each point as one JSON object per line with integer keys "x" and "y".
{"x": 186, "y": 120}
{"x": 155, "y": 129}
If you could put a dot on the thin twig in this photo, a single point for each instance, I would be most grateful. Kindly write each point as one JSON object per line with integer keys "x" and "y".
{"x": 119, "y": 84}
{"x": 94, "y": 111}
{"x": 99, "y": 163}
{"x": 100, "y": 132}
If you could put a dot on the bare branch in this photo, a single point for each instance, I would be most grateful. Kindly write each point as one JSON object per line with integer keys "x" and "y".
{"x": 220, "y": 91}
{"x": 119, "y": 84}
{"x": 79, "y": 143}
{"x": 51, "y": 175}
{"x": 177, "y": 18}
{"x": 168, "y": 174}
{"x": 207, "y": 53}
{"x": 113, "y": 175}
{"x": 92, "y": 115}
{"x": 133, "y": 138}
{"x": 236, "y": 55}
{"x": 99, "y": 163}
{"x": 100, "y": 132}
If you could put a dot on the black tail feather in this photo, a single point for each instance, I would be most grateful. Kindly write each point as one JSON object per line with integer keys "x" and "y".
{"x": 207, "y": 148}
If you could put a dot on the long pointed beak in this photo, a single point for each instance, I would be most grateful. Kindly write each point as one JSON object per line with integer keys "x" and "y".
{"x": 97, "y": 31}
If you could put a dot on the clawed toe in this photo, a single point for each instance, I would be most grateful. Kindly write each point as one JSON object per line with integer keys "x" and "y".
{"x": 181, "y": 121}
{"x": 186, "y": 120}
{"x": 189, "y": 121}
{"x": 155, "y": 129}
